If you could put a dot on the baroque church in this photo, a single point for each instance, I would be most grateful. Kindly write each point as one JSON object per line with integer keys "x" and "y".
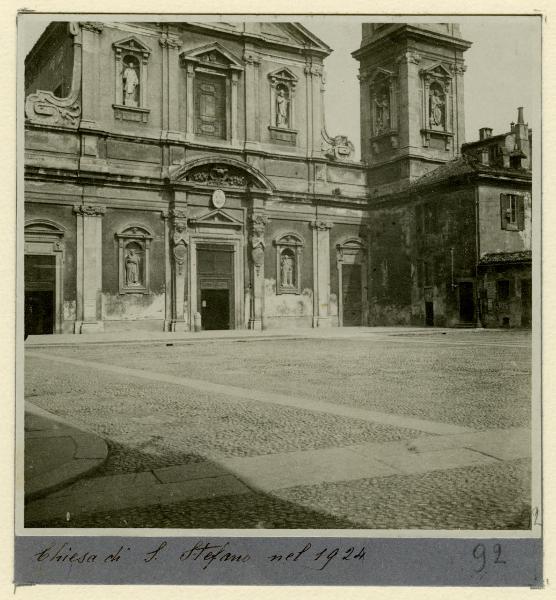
{"x": 179, "y": 176}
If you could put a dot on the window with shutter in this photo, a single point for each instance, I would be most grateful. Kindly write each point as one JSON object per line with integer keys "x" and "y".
{"x": 512, "y": 215}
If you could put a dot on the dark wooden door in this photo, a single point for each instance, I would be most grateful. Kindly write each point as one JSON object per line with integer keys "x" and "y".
{"x": 466, "y": 302}
{"x": 215, "y": 309}
{"x": 215, "y": 278}
{"x": 40, "y": 284}
{"x": 352, "y": 295}
{"x": 210, "y": 105}
{"x": 526, "y": 303}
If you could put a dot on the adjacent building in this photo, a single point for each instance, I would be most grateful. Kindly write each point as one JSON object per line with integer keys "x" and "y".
{"x": 180, "y": 176}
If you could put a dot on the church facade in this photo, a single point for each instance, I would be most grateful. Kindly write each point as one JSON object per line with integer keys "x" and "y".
{"x": 179, "y": 176}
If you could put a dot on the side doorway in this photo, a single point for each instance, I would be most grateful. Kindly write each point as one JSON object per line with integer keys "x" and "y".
{"x": 466, "y": 298}
{"x": 351, "y": 262}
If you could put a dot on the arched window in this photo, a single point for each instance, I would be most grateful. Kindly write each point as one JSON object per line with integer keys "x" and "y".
{"x": 134, "y": 242}
{"x": 288, "y": 263}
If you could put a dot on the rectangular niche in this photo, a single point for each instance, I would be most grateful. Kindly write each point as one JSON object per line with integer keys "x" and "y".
{"x": 134, "y": 243}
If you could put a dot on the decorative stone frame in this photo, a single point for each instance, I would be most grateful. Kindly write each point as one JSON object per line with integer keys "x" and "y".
{"x": 141, "y": 236}
{"x": 280, "y": 79}
{"x": 212, "y": 59}
{"x": 352, "y": 251}
{"x": 293, "y": 244}
{"x": 45, "y": 237}
{"x": 437, "y": 76}
{"x": 131, "y": 46}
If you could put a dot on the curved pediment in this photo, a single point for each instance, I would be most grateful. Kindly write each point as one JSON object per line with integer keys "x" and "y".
{"x": 221, "y": 173}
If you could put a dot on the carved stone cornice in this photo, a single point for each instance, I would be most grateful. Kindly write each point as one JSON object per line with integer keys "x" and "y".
{"x": 167, "y": 40}
{"x": 252, "y": 58}
{"x": 95, "y": 27}
{"x": 321, "y": 225}
{"x": 313, "y": 70}
{"x": 409, "y": 57}
{"x": 89, "y": 210}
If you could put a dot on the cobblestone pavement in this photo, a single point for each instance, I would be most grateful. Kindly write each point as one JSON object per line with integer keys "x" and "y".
{"x": 448, "y": 378}
{"x": 148, "y": 425}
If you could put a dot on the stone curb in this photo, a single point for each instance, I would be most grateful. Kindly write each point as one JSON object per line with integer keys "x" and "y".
{"x": 90, "y": 453}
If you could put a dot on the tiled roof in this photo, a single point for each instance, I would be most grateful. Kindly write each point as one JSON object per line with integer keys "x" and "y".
{"x": 498, "y": 258}
{"x": 463, "y": 165}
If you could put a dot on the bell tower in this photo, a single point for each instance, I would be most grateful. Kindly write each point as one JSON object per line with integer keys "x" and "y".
{"x": 411, "y": 99}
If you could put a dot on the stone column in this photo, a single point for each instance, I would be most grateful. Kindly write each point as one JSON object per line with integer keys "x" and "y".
{"x": 321, "y": 272}
{"x": 179, "y": 245}
{"x": 89, "y": 268}
{"x": 257, "y": 224}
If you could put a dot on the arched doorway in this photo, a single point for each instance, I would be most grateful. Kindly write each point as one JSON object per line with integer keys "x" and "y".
{"x": 44, "y": 247}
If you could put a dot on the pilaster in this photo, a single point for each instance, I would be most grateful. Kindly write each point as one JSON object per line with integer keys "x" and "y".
{"x": 89, "y": 268}
{"x": 90, "y": 79}
{"x": 252, "y": 99}
{"x": 321, "y": 273}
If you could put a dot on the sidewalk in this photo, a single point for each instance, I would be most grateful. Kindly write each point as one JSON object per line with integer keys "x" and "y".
{"x": 56, "y": 453}
{"x": 148, "y": 337}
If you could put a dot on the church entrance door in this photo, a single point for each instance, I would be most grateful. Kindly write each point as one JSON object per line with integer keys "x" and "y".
{"x": 215, "y": 276}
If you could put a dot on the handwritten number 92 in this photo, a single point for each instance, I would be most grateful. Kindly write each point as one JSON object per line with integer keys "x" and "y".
{"x": 482, "y": 556}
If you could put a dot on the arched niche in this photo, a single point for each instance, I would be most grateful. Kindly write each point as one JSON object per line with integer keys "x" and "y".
{"x": 134, "y": 244}
{"x": 289, "y": 248}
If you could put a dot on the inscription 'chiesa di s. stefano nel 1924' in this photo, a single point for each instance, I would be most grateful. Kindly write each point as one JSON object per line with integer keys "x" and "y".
{"x": 180, "y": 175}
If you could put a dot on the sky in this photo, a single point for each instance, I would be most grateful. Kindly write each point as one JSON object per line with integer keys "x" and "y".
{"x": 503, "y": 68}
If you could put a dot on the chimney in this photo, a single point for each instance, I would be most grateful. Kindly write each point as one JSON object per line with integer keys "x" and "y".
{"x": 521, "y": 132}
{"x": 485, "y": 132}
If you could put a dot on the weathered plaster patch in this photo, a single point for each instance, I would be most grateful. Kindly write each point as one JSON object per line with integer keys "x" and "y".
{"x": 69, "y": 310}
{"x": 287, "y": 305}
{"x": 133, "y": 306}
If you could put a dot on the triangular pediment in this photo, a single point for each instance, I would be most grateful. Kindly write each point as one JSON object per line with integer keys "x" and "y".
{"x": 217, "y": 218}
{"x": 437, "y": 70}
{"x": 284, "y": 74}
{"x": 213, "y": 55}
{"x": 380, "y": 73}
{"x": 132, "y": 44}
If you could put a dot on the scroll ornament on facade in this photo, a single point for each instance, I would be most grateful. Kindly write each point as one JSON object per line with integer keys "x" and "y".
{"x": 44, "y": 108}
{"x": 89, "y": 210}
{"x": 258, "y": 224}
{"x": 338, "y": 147}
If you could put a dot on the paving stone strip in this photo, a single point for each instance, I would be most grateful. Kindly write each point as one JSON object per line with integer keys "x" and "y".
{"x": 236, "y": 476}
{"x": 372, "y": 416}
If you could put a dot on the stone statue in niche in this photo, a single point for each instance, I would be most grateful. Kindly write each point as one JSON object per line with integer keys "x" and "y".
{"x": 436, "y": 108}
{"x": 287, "y": 265}
{"x": 282, "y": 109}
{"x": 132, "y": 268}
{"x": 382, "y": 113}
{"x": 130, "y": 84}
